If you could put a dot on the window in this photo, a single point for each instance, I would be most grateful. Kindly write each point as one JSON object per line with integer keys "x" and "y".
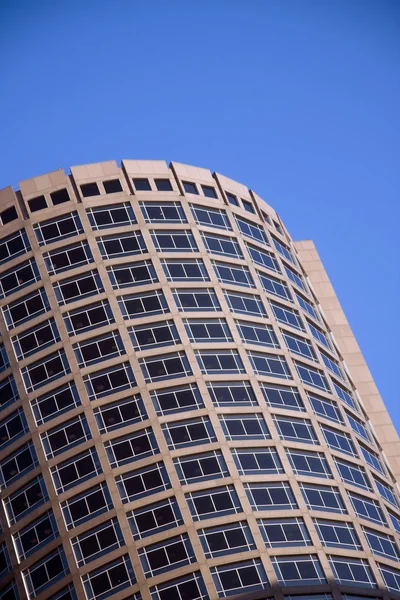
{"x": 245, "y": 303}
{"x": 352, "y": 473}
{"x": 178, "y": 399}
{"x": 345, "y": 395}
{"x": 339, "y": 440}
{"x": 395, "y": 521}
{"x": 57, "y": 229}
{"x": 251, "y": 230}
{"x": 65, "y": 436}
{"x": 248, "y": 206}
{"x": 26, "y": 308}
{"x": 190, "y": 187}
{"x": 190, "y": 587}
{"x": 269, "y": 365}
{"x": 270, "y": 496}
{"x": 283, "y": 533}
{"x": 78, "y": 287}
{"x": 163, "y": 185}
{"x": 37, "y": 203}
{"x": 116, "y": 246}
{"x": 150, "y": 303}
{"x": 332, "y": 365}
{"x": 313, "y": 464}
{"x": 165, "y": 367}
{"x": 288, "y": 316}
{"x": 141, "y": 184}
{"x": 337, "y": 534}
{"x": 154, "y": 518}
{"x": 213, "y": 502}
{"x": 226, "y": 394}
{"x": 319, "y": 335}
{"x": 311, "y": 376}
{"x": 17, "y": 278}
{"x": 13, "y": 427}
{"x": 112, "y": 186}
{"x": 36, "y": 339}
{"x": 382, "y": 544}
{"x": 5, "y": 562}
{"x": 55, "y": 403}
{"x": 387, "y": 493}
{"x": 86, "y": 318}
{"x": 110, "y": 380}
{"x": 299, "y": 345}
{"x": 45, "y": 370}
{"x": 109, "y": 579}
{"x": 390, "y": 576}
{"x": 183, "y": 434}
{"x": 173, "y": 241}
{"x": 283, "y": 250}
{"x": 264, "y": 258}
{"x": 25, "y": 500}
{"x": 120, "y": 414}
{"x": 226, "y": 539}
{"x": 157, "y": 335}
{"x": 325, "y": 498}
{"x": 4, "y": 362}
{"x": 95, "y": 350}
{"x": 307, "y": 307}
{"x": 325, "y": 408}
{"x": 237, "y": 274}
{"x": 163, "y": 212}
{"x": 196, "y": 300}
{"x": 8, "y": 215}
{"x": 218, "y": 244}
{"x": 298, "y": 570}
{"x": 237, "y": 578}
{"x": 75, "y": 470}
{"x": 352, "y": 571}
{"x": 96, "y": 542}
{"x": 359, "y": 427}
{"x": 87, "y": 505}
{"x": 209, "y": 191}
{"x": 252, "y": 461}
{"x": 115, "y": 215}
{"x": 68, "y": 257}
{"x": 250, "y": 426}
{"x": 201, "y": 467}
{"x": 367, "y": 508}
{"x": 10, "y": 591}
{"x": 132, "y": 274}
{"x": 131, "y": 447}
{"x": 295, "y": 277}
{"x": 214, "y": 362}
{"x": 295, "y": 430}
{"x": 45, "y": 572}
{"x": 232, "y": 199}
{"x": 173, "y": 553}
{"x": 373, "y": 460}
{"x": 90, "y": 189}
{"x": 210, "y": 217}
{"x": 142, "y": 482}
{"x": 185, "y": 270}
{"x": 14, "y": 245}
{"x": 35, "y": 535}
{"x": 275, "y": 287}
{"x": 208, "y": 330}
{"x": 282, "y": 397}
{"x": 255, "y": 333}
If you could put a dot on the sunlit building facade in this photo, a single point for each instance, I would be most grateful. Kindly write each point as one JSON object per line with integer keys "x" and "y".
{"x": 184, "y": 411}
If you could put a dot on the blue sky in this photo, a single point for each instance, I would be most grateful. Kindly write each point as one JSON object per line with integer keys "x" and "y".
{"x": 299, "y": 100}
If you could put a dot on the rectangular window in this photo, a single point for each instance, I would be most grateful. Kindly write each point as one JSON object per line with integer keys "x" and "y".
{"x": 332, "y": 365}
{"x": 352, "y": 473}
{"x": 313, "y": 464}
{"x": 319, "y": 335}
{"x": 359, "y": 427}
{"x": 248, "y": 206}
{"x": 45, "y": 370}
{"x": 25, "y": 500}
{"x": 298, "y": 570}
{"x": 208, "y": 330}
{"x": 270, "y": 496}
{"x": 190, "y": 187}
{"x": 115, "y": 215}
{"x": 295, "y": 430}
{"x": 120, "y": 414}
{"x": 87, "y": 505}
{"x": 274, "y": 286}
{"x": 218, "y": 244}
{"x": 35, "y": 339}
{"x": 352, "y": 571}
{"x": 327, "y": 409}
{"x": 109, "y": 381}
{"x": 163, "y": 212}
{"x": 17, "y": 278}
{"x": 180, "y": 240}
{"x": 190, "y": 586}
{"x": 283, "y": 533}
{"x": 142, "y": 482}
{"x": 196, "y": 300}
{"x": 367, "y": 508}
{"x": 219, "y": 361}
{"x": 234, "y": 274}
{"x": 237, "y": 578}
{"x": 45, "y": 572}
{"x": 382, "y": 544}
{"x": 163, "y": 333}
{"x": 75, "y": 470}
{"x": 55, "y": 403}
{"x": 391, "y": 577}
{"x": 337, "y": 534}
{"x": 252, "y": 461}
{"x": 226, "y": 539}
{"x": 79, "y": 287}
{"x": 225, "y": 394}
{"x": 97, "y": 349}
{"x": 131, "y": 447}
{"x": 339, "y": 440}
{"x": 247, "y": 304}
{"x": 172, "y": 553}
{"x": 325, "y": 498}
{"x": 255, "y": 333}
{"x": 68, "y": 257}
{"x": 60, "y": 228}
{"x": 395, "y": 521}
{"x": 251, "y": 230}
{"x": 250, "y": 426}
{"x": 154, "y": 518}
{"x": 97, "y": 542}
{"x": 4, "y": 361}
{"x": 183, "y": 434}
{"x": 307, "y": 307}
{"x": 284, "y": 250}
{"x": 299, "y": 345}
{"x": 65, "y": 436}
{"x": 264, "y": 258}
{"x": 232, "y": 199}
{"x": 109, "y": 579}
{"x": 178, "y": 399}
{"x": 295, "y": 277}
{"x": 287, "y": 316}
{"x": 269, "y": 365}
{"x": 117, "y": 246}
{"x": 345, "y": 395}
{"x": 165, "y": 367}
{"x": 201, "y": 467}
{"x": 132, "y": 274}
{"x": 13, "y": 427}
{"x": 209, "y": 191}
{"x": 35, "y": 535}
{"x": 214, "y": 502}
{"x": 150, "y": 303}
{"x": 387, "y": 493}
{"x": 278, "y": 396}
{"x": 92, "y": 316}
{"x": 373, "y": 460}
{"x": 185, "y": 270}
{"x": 210, "y": 217}
{"x": 26, "y": 308}
{"x": 311, "y": 376}
{"x": 14, "y": 245}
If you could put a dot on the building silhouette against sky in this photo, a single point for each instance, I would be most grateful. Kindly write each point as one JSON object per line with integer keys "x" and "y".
{"x": 185, "y": 413}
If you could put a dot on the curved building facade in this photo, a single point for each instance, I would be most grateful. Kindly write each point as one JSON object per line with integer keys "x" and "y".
{"x": 184, "y": 412}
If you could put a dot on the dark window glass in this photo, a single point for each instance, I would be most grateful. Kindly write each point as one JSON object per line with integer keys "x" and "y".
{"x": 209, "y": 191}
{"x": 163, "y": 185}
{"x": 190, "y": 187}
{"x": 37, "y": 203}
{"x": 141, "y": 184}
{"x": 112, "y": 186}
{"x": 90, "y": 189}
{"x": 59, "y": 196}
{"x": 8, "y": 215}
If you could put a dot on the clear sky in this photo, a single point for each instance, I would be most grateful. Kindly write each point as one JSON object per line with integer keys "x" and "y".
{"x": 299, "y": 100}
